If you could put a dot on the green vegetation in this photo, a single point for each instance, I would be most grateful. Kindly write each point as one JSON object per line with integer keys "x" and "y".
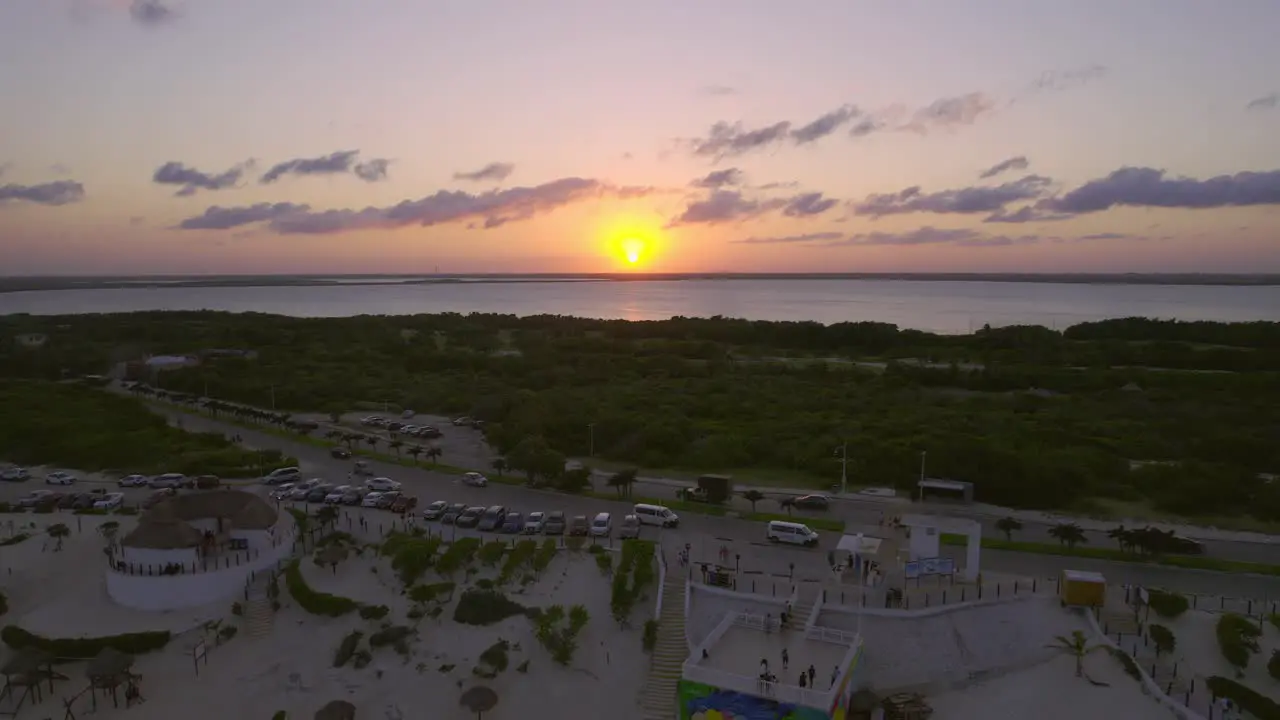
{"x": 85, "y": 648}
{"x": 1237, "y": 639}
{"x": 485, "y": 607}
{"x": 1163, "y": 638}
{"x": 765, "y": 401}
{"x": 493, "y": 660}
{"x": 390, "y": 635}
{"x": 15, "y": 539}
{"x": 1195, "y": 562}
{"x": 633, "y": 574}
{"x": 546, "y": 553}
{"x": 1273, "y": 665}
{"x": 458, "y": 556}
{"x": 316, "y": 603}
{"x": 411, "y": 555}
{"x": 650, "y": 638}
{"x": 491, "y": 552}
{"x": 558, "y": 633}
{"x": 429, "y": 593}
{"x": 374, "y": 612}
{"x": 1251, "y": 701}
{"x": 347, "y": 648}
{"x": 1167, "y": 604}
{"x": 524, "y": 553}
{"x": 71, "y": 425}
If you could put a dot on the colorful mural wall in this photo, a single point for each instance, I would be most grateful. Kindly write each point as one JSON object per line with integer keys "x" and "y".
{"x": 847, "y": 687}
{"x": 703, "y": 702}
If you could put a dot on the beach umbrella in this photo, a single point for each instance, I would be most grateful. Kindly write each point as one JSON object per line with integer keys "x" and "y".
{"x": 337, "y": 710}
{"x": 479, "y": 700}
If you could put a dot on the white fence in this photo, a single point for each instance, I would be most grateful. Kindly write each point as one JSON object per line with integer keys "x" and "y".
{"x": 818, "y": 699}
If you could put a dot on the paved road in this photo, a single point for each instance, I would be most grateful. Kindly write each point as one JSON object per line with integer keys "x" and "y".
{"x": 707, "y": 533}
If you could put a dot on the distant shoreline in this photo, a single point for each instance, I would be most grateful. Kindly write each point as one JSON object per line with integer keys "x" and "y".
{"x": 62, "y": 283}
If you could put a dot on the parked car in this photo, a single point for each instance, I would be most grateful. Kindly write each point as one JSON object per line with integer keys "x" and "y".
{"x": 68, "y": 501}
{"x": 793, "y": 533}
{"x": 339, "y": 453}
{"x": 602, "y": 525}
{"x": 382, "y": 484}
{"x": 513, "y": 523}
{"x": 85, "y": 501}
{"x": 812, "y": 502}
{"x": 59, "y": 478}
{"x": 630, "y": 527}
{"x": 282, "y": 492}
{"x": 387, "y": 499}
{"x": 475, "y": 479}
{"x": 554, "y": 524}
{"x": 452, "y": 512}
{"x": 208, "y": 482}
{"x": 110, "y": 501}
{"x": 655, "y": 515}
{"x": 469, "y": 518}
{"x": 318, "y": 493}
{"x": 492, "y": 518}
{"x": 15, "y": 474}
{"x": 352, "y": 496}
{"x": 464, "y": 420}
{"x": 361, "y": 468}
{"x": 370, "y": 421}
{"x": 371, "y": 500}
{"x": 50, "y": 501}
{"x": 157, "y": 496}
{"x": 534, "y": 523}
{"x": 429, "y": 432}
{"x": 435, "y": 510}
{"x": 282, "y": 475}
{"x": 35, "y": 498}
{"x": 133, "y": 481}
{"x": 168, "y": 480}
{"x": 404, "y": 504}
{"x": 578, "y": 525}
{"x": 335, "y": 495}
{"x": 298, "y": 493}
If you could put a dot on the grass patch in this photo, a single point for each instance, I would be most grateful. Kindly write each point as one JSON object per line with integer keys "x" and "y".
{"x": 316, "y": 603}
{"x": 85, "y": 648}
{"x": 15, "y": 539}
{"x": 1190, "y": 562}
{"x": 347, "y": 648}
{"x": 486, "y": 607}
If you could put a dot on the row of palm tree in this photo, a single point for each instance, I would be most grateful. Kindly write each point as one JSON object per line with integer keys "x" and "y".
{"x": 216, "y": 408}
{"x": 1143, "y": 541}
{"x": 396, "y": 445}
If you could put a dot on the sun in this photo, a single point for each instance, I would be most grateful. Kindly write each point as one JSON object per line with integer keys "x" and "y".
{"x": 632, "y": 250}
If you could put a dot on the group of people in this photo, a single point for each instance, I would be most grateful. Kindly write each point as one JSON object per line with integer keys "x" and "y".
{"x": 807, "y": 677}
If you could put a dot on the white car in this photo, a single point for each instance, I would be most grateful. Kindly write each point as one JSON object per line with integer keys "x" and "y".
{"x": 59, "y": 478}
{"x": 14, "y": 474}
{"x": 168, "y": 480}
{"x": 475, "y": 479}
{"x": 34, "y": 498}
{"x": 282, "y": 475}
{"x": 382, "y": 484}
{"x": 335, "y": 495}
{"x": 110, "y": 501}
{"x": 282, "y": 491}
{"x": 534, "y": 523}
{"x": 134, "y": 481}
{"x": 371, "y": 500}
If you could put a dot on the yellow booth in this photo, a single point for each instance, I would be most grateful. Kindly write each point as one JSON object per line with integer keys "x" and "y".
{"x": 1082, "y": 589}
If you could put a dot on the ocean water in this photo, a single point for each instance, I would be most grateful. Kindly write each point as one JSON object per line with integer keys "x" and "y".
{"x": 937, "y": 306}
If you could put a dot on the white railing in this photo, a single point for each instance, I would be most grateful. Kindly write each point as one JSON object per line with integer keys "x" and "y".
{"x": 755, "y": 622}
{"x": 818, "y": 699}
{"x": 695, "y": 652}
{"x": 831, "y": 635}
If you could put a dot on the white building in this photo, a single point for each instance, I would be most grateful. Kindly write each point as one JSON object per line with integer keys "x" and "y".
{"x": 196, "y": 548}
{"x": 925, "y": 538}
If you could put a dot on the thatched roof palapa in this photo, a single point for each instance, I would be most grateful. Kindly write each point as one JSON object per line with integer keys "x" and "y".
{"x": 25, "y": 661}
{"x": 109, "y": 664}
{"x": 165, "y": 526}
{"x": 160, "y": 533}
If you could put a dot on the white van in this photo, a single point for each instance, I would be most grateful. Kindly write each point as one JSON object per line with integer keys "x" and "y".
{"x": 602, "y": 526}
{"x": 656, "y": 515}
{"x": 793, "y": 533}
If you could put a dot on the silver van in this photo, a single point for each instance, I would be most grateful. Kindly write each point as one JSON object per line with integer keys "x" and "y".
{"x": 656, "y": 515}
{"x": 792, "y": 533}
{"x": 602, "y": 525}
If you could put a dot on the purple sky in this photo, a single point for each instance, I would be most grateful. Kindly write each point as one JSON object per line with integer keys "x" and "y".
{"x": 259, "y": 136}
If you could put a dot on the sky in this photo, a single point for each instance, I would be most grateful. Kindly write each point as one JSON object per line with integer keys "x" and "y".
{"x": 403, "y": 136}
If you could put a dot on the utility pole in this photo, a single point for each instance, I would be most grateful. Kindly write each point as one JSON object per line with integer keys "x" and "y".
{"x": 844, "y": 467}
{"x": 922, "y": 457}
{"x": 591, "y": 428}
{"x": 273, "y": 397}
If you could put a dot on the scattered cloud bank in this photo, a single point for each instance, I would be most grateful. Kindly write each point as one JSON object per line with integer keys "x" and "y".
{"x": 717, "y": 90}
{"x": 792, "y": 239}
{"x": 151, "y": 13}
{"x": 493, "y": 209}
{"x": 1060, "y": 80}
{"x": 719, "y": 179}
{"x": 923, "y": 236}
{"x": 493, "y": 172}
{"x": 61, "y": 192}
{"x": 342, "y": 162}
{"x": 975, "y": 199}
{"x": 1266, "y": 102}
{"x": 1014, "y": 163}
{"x": 731, "y": 206}
{"x": 190, "y": 180}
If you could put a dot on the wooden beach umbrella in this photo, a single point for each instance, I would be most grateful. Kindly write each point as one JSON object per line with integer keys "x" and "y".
{"x": 479, "y": 700}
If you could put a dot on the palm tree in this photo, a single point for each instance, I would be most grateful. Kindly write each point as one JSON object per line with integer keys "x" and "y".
{"x": 499, "y": 465}
{"x": 622, "y": 481}
{"x": 351, "y": 439}
{"x": 434, "y": 452}
{"x": 1123, "y": 537}
{"x": 372, "y": 441}
{"x": 415, "y": 451}
{"x": 1008, "y": 525}
{"x": 1069, "y": 534}
{"x": 333, "y": 435}
{"x": 1076, "y": 646}
{"x": 58, "y": 531}
{"x": 109, "y": 530}
{"x": 327, "y": 515}
{"x": 787, "y": 503}
{"x": 396, "y": 445}
{"x": 753, "y": 497}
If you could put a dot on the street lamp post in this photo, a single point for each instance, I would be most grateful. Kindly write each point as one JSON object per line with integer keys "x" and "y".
{"x": 923, "y": 453}
{"x": 844, "y": 467}
{"x": 591, "y": 428}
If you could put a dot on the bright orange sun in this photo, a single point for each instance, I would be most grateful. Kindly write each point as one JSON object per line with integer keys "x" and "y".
{"x": 632, "y": 250}
{"x": 631, "y": 243}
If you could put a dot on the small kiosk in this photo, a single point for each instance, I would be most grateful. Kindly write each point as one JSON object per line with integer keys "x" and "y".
{"x": 1079, "y": 588}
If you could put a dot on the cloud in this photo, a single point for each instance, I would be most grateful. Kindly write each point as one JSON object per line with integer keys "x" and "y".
{"x": 151, "y": 13}
{"x": 1106, "y": 236}
{"x": 719, "y": 179}
{"x": 191, "y": 180}
{"x": 496, "y": 172}
{"x": 976, "y": 199}
{"x": 338, "y": 163}
{"x": 493, "y": 209}
{"x": 1014, "y": 163}
{"x": 1266, "y": 102}
{"x": 62, "y": 192}
{"x": 792, "y": 239}
{"x": 717, "y": 90}
{"x": 808, "y": 205}
{"x": 137, "y": 220}
{"x": 730, "y": 140}
{"x": 1026, "y": 214}
{"x": 1149, "y": 187}
{"x": 225, "y": 218}
{"x": 724, "y": 206}
{"x": 1054, "y": 81}
{"x": 949, "y": 113}
{"x": 4, "y": 168}
{"x": 824, "y": 125}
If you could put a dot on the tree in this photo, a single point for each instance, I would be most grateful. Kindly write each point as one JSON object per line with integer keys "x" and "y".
{"x": 327, "y": 515}
{"x": 1077, "y": 646}
{"x": 1008, "y": 525}
{"x": 396, "y": 445}
{"x": 753, "y": 497}
{"x": 372, "y": 441}
{"x": 1123, "y": 537}
{"x": 58, "y": 532}
{"x": 415, "y": 451}
{"x": 622, "y": 481}
{"x": 787, "y": 503}
{"x": 1069, "y": 534}
{"x": 574, "y": 480}
{"x": 109, "y": 530}
{"x": 499, "y": 465}
{"x": 434, "y": 452}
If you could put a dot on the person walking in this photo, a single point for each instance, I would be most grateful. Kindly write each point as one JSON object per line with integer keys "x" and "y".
{"x": 812, "y": 672}
{"x": 785, "y": 659}
{"x": 835, "y": 675}
{"x": 802, "y": 678}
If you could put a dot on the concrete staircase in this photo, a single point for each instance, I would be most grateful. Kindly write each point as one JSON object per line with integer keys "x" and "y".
{"x": 258, "y": 615}
{"x": 658, "y": 698}
{"x": 802, "y": 609}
